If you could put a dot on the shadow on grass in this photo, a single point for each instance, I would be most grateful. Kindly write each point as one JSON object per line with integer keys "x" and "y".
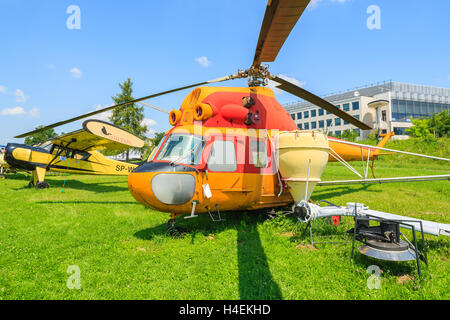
{"x": 325, "y": 233}
{"x": 255, "y": 279}
{"x": 88, "y": 202}
{"x": 98, "y": 187}
{"x": 329, "y": 192}
{"x": 393, "y": 268}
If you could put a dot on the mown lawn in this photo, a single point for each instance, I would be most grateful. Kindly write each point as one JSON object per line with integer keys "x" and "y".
{"x": 123, "y": 250}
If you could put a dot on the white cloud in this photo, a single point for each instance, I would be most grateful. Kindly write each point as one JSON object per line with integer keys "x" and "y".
{"x": 273, "y": 85}
{"x": 149, "y": 122}
{"x": 76, "y": 73}
{"x": 2, "y": 89}
{"x": 13, "y": 111}
{"x": 314, "y": 3}
{"x": 34, "y": 113}
{"x": 203, "y": 61}
{"x": 19, "y": 111}
{"x": 20, "y": 96}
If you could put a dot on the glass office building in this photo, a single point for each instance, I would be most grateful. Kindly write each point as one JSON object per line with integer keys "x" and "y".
{"x": 404, "y": 101}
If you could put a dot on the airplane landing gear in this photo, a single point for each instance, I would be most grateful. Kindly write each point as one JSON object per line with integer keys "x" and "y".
{"x": 42, "y": 185}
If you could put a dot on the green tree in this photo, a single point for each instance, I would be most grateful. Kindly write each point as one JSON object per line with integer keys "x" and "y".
{"x": 40, "y": 136}
{"x": 349, "y": 135}
{"x": 157, "y": 139}
{"x": 420, "y": 129}
{"x": 439, "y": 124}
{"x": 128, "y": 117}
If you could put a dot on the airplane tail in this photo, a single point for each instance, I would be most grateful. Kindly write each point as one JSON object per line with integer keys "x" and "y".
{"x": 348, "y": 152}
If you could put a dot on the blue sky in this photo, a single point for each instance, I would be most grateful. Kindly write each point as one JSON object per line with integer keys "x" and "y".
{"x": 49, "y": 73}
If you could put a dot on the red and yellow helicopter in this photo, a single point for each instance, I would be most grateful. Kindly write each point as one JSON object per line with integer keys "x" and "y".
{"x": 237, "y": 148}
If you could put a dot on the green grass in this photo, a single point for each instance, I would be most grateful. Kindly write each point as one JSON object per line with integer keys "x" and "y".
{"x": 124, "y": 252}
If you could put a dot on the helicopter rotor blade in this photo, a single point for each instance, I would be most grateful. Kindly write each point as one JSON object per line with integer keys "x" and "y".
{"x": 154, "y": 107}
{"x": 279, "y": 19}
{"x": 60, "y": 123}
{"x": 312, "y": 98}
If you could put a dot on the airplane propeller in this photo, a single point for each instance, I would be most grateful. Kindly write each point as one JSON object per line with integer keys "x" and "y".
{"x": 279, "y": 20}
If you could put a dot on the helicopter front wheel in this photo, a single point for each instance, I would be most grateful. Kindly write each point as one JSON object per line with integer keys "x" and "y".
{"x": 173, "y": 230}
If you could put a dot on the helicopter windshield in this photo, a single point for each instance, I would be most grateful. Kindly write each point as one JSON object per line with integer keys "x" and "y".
{"x": 182, "y": 148}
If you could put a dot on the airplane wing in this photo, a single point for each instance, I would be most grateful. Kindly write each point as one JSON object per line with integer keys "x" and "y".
{"x": 98, "y": 135}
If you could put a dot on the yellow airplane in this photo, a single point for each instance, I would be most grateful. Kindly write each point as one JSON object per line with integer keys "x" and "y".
{"x": 75, "y": 152}
{"x": 4, "y": 166}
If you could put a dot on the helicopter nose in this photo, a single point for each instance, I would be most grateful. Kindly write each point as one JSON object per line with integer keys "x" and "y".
{"x": 158, "y": 188}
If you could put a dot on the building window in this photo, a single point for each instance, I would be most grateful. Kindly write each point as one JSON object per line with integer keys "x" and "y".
{"x": 355, "y": 105}
{"x": 356, "y": 116}
{"x": 337, "y": 121}
{"x": 299, "y": 115}
{"x": 299, "y": 125}
{"x": 321, "y": 112}
{"x": 400, "y": 131}
{"x": 293, "y": 116}
{"x": 313, "y": 113}
{"x": 306, "y": 114}
{"x": 313, "y": 125}
{"x": 383, "y": 115}
{"x": 337, "y": 133}
{"x": 306, "y": 126}
{"x": 346, "y": 106}
{"x": 321, "y": 124}
{"x": 329, "y": 122}
{"x": 345, "y": 122}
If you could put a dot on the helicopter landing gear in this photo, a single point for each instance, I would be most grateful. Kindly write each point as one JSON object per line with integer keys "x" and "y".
{"x": 172, "y": 229}
{"x": 31, "y": 184}
{"x": 2, "y": 176}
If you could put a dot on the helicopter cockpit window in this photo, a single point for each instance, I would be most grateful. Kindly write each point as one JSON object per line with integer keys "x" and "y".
{"x": 155, "y": 150}
{"x": 222, "y": 157}
{"x": 259, "y": 154}
{"x": 182, "y": 148}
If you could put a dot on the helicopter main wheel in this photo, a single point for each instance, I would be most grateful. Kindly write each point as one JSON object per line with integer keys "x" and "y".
{"x": 42, "y": 185}
{"x": 173, "y": 230}
{"x": 2, "y": 176}
{"x": 31, "y": 184}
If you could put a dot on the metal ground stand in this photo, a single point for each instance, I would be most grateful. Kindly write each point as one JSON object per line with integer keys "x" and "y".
{"x": 384, "y": 240}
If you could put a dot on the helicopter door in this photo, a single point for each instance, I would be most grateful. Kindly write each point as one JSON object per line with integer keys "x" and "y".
{"x": 225, "y": 174}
